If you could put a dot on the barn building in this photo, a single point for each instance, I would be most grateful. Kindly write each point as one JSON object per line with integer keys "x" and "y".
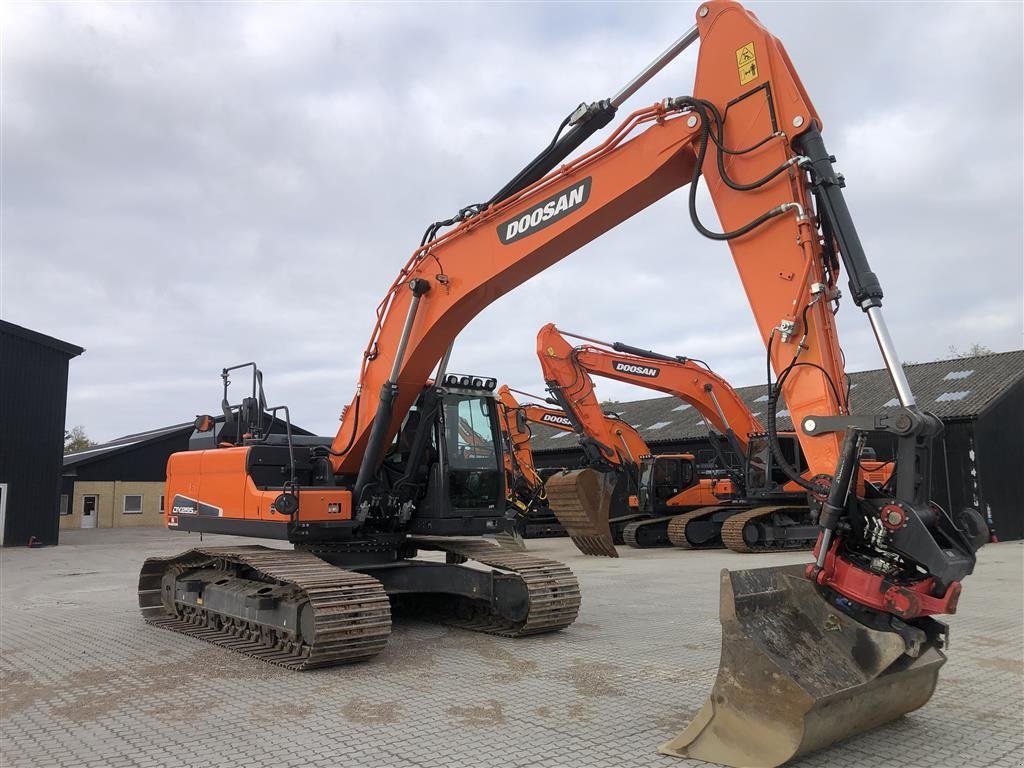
{"x": 33, "y": 402}
{"x": 977, "y": 463}
{"x": 120, "y": 484}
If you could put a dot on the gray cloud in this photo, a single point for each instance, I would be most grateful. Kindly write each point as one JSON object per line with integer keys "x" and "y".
{"x": 192, "y": 185}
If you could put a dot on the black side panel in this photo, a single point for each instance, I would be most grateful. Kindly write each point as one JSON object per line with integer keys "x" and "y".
{"x": 268, "y": 465}
{"x": 259, "y": 529}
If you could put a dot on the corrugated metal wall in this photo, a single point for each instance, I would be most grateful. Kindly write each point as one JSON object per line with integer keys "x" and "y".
{"x": 33, "y": 398}
{"x": 999, "y": 448}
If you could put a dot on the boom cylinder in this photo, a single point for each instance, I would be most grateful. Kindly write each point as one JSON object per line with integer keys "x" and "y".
{"x": 388, "y": 394}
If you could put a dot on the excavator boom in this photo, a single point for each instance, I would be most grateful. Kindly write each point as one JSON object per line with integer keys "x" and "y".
{"x": 691, "y": 381}
{"x": 524, "y": 486}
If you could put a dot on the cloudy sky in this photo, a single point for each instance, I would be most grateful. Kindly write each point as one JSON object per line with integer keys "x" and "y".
{"x": 191, "y": 185}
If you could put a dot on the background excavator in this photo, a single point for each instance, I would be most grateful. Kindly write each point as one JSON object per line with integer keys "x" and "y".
{"x": 614, "y": 451}
{"x": 524, "y": 486}
{"x": 757, "y": 507}
{"x": 810, "y": 655}
{"x": 528, "y": 491}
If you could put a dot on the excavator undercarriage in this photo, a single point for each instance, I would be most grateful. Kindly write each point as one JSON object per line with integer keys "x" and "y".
{"x": 294, "y": 609}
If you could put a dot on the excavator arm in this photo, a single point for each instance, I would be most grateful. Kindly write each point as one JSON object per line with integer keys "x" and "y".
{"x": 739, "y": 136}
{"x": 607, "y": 443}
{"x": 574, "y": 495}
{"x": 694, "y": 383}
{"x": 524, "y": 485}
{"x": 751, "y": 131}
{"x": 515, "y": 418}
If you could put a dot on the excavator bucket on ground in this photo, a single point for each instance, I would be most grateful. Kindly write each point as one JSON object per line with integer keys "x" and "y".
{"x": 512, "y": 541}
{"x": 581, "y": 500}
{"x": 797, "y": 674}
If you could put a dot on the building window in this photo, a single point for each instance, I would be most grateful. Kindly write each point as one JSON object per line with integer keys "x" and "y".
{"x": 161, "y": 502}
{"x": 133, "y": 504}
{"x": 65, "y": 505}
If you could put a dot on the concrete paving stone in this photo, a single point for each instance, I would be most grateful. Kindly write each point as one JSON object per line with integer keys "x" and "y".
{"x": 85, "y": 681}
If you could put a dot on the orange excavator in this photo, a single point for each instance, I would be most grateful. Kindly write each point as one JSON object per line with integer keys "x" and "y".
{"x": 527, "y": 490}
{"x": 753, "y": 509}
{"x": 613, "y": 449}
{"x": 811, "y": 653}
{"x": 524, "y": 486}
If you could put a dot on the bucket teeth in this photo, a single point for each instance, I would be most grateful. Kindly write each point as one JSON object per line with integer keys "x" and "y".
{"x": 581, "y": 500}
{"x": 797, "y": 674}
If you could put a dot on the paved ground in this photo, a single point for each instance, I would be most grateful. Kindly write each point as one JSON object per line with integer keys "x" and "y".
{"x": 87, "y": 683}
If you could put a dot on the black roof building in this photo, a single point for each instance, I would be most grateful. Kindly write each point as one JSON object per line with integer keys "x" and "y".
{"x": 141, "y": 456}
{"x": 33, "y": 404}
{"x": 979, "y": 399}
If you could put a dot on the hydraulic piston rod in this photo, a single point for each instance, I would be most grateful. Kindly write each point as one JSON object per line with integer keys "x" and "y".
{"x": 892, "y": 360}
{"x": 689, "y": 38}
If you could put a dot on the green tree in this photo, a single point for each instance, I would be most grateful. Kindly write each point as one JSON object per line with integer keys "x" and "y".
{"x": 76, "y": 440}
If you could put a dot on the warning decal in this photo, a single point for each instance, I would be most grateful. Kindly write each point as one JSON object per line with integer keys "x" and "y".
{"x": 746, "y": 63}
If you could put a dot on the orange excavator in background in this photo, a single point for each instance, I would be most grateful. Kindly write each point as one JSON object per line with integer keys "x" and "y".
{"x": 524, "y": 486}
{"x": 527, "y": 491}
{"x": 811, "y": 653}
{"x": 614, "y": 450}
{"x": 756, "y": 509}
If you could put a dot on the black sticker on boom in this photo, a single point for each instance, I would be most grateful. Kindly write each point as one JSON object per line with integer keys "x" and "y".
{"x": 544, "y": 214}
{"x": 637, "y": 370}
{"x": 182, "y": 505}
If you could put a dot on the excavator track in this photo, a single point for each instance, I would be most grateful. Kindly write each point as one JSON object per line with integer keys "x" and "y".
{"x": 648, "y": 533}
{"x": 351, "y": 614}
{"x": 553, "y": 592}
{"x": 677, "y": 528}
{"x": 733, "y": 528}
{"x": 618, "y": 525}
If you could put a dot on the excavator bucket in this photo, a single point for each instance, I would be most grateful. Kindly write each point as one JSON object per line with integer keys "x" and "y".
{"x": 581, "y": 500}
{"x": 511, "y": 541}
{"x": 797, "y": 675}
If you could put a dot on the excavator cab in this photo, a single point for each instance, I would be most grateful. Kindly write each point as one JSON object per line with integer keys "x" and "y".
{"x": 454, "y": 440}
{"x": 473, "y": 469}
{"x": 662, "y": 478}
{"x": 765, "y": 477}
